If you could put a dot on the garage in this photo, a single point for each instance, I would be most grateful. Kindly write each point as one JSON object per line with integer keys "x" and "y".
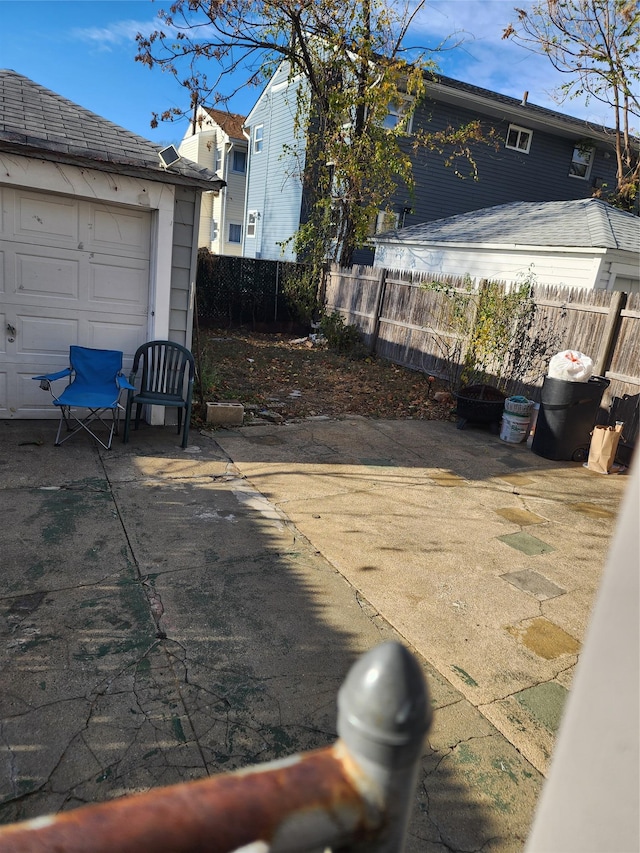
{"x": 73, "y": 272}
{"x": 98, "y": 240}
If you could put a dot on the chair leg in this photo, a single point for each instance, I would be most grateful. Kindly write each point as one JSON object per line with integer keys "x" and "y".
{"x": 63, "y": 420}
{"x": 187, "y": 420}
{"x": 85, "y": 423}
{"x": 179, "y": 421}
{"x": 127, "y": 418}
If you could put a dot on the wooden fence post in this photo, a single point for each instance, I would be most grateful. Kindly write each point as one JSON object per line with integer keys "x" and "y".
{"x": 382, "y": 286}
{"x": 603, "y": 359}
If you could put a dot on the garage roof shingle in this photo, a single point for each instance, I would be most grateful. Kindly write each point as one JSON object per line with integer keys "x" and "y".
{"x": 581, "y": 223}
{"x": 46, "y": 125}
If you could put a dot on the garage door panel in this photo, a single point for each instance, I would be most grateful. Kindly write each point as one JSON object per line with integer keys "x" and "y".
{"x": 61, "y": 291}
{"x": 2, "y": 272}
{"x": 119, "y": 284}
{"x": 46, "y": 335}
{"x": 4, "y": 410}
{"x": 124, "y": 336}
{"x": 114, "y": 230}
{"x": 46, "y": 276}
{"x": 33, "y": 401}
{"x": 51, "y": 218}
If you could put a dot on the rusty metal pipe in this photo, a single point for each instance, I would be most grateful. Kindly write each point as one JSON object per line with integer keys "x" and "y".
{"x": 357, "y": 792}
{"x": 316, "y": 790}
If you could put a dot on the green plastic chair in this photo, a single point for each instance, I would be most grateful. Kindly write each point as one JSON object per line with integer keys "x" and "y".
{"x": 168, "y": 370}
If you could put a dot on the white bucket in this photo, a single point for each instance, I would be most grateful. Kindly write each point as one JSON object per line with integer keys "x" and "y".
{"x": 514, "y": 429}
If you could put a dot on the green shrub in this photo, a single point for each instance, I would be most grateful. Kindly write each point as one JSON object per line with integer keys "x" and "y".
{"x": 341, "y": 337}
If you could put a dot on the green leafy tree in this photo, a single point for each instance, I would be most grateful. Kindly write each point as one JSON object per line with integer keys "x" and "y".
{"x": 359, "y": 88}
{"x": 597, "y": 44}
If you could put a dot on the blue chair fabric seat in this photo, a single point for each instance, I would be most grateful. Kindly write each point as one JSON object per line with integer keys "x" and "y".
{"x": 168, "y": 371}
{"x": 95, "y": 384}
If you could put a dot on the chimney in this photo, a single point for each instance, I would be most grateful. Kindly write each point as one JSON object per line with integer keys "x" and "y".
{"x": 523, "y": 102}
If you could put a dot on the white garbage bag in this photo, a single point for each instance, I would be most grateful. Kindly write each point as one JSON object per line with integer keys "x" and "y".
{"x": 570, "y": 365}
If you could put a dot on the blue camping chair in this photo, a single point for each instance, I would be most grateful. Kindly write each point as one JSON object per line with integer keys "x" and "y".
{"x": 168, "y": 371}
{"x": 95, "y": 383}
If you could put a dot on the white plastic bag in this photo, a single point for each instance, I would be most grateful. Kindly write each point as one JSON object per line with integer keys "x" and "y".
{"x": 570, "y": 365}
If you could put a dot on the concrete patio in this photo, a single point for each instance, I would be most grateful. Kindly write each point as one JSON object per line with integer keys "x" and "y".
{"x": 170, "y": 614}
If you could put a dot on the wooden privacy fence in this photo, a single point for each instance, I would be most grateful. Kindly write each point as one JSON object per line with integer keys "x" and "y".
{"x": 405, "y": 323}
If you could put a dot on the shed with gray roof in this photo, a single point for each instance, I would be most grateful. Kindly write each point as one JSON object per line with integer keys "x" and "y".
{"x": 98, "y": 240}
{"x": 580, "y": 243}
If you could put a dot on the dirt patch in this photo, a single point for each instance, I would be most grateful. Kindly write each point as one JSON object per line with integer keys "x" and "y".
{"x": 296, "y": 379}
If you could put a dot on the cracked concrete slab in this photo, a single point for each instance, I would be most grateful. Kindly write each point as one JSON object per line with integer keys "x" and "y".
{"x": 179, "y": 613}
{"x": 432, "y": 559}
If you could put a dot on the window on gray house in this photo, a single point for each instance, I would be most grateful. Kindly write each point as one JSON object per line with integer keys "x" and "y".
{"x": 251, "y": 224}
{"x": 258, "y": 138}
{"x": 518, "y": 139}
{"x": 396, "y": 113}
{"x": 235, "y": 233}
{"x": 239, "y": 162}
{"x": 581, "y": 161}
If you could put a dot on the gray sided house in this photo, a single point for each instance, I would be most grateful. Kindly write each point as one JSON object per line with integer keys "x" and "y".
{"x": 98, "y": 240}
{"x": 580, "y": 243}
{"x": 537, "y": 154}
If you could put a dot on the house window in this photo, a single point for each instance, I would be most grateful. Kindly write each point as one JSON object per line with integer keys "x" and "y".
{"x": 239, "y": 162}
{"x": 258, "y": 137}
{"x": 518, "y": 138}
{"x": 396, "y": 114}
{"x": 235, "y": 233}
{"x": 214, "y": 230}
{"x": 251, "y": 224}
{"x": 217, "y": 160}
{"x": 581, "y": 161}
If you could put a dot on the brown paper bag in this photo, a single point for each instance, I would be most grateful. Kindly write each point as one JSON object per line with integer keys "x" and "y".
{"x": 603, "y": 448}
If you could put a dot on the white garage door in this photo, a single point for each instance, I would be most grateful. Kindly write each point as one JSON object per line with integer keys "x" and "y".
{"x": 71, "y": 272}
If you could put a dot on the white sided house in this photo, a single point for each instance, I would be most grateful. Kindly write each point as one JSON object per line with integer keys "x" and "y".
{"x": 580, "y": 243}
{"x": 97, "y": 240}
{"x": 216, "y": 140}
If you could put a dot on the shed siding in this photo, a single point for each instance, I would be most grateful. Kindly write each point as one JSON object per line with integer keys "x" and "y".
{"x": 618, "y": 272}
{"x": 274, "y": 189}
{"x": 575, "y": 269}
{"x": 186, "y": 216}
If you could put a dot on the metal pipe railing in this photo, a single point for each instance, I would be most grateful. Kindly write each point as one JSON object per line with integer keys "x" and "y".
{"x": 354, "y": 795}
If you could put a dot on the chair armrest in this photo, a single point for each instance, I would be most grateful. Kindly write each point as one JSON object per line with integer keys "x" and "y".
{"x": 49, "y": 377}
{"x": 123, "y": 383}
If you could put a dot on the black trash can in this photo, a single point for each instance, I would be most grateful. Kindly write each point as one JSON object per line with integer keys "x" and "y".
{"x": 568, "y": 412}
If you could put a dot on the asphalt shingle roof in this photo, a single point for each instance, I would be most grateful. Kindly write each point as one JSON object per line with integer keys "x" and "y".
{"x": 583, "y": 223}
{"x": 518, "y": 106}
{"x": 37, "y": 122}
{"x": 231, "y": 123}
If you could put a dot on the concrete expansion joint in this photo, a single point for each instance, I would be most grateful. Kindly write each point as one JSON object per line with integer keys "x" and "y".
{"x": 447, "y": 751}
{"x": 539, "y": 683}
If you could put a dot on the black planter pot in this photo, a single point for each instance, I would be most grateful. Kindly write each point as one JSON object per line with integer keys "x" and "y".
{"x": 480, "y": 404}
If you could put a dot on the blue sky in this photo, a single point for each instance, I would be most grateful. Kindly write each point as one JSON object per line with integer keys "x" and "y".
{"x": 84, "y": 50}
